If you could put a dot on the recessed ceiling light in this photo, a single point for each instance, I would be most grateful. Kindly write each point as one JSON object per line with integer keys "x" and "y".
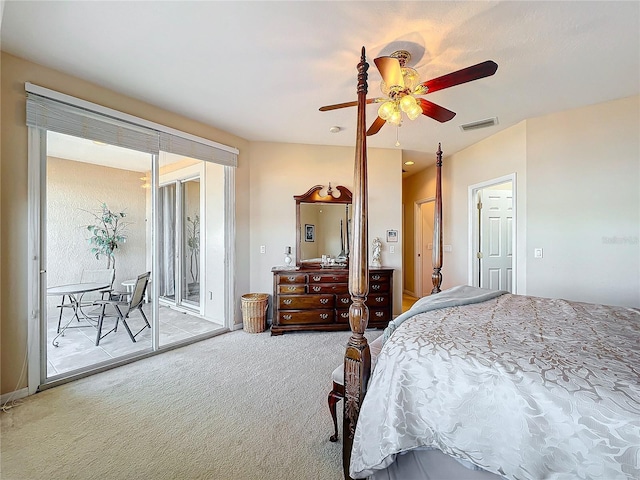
{"x": 409, "y": 163}
{"x": 335, "y": 129}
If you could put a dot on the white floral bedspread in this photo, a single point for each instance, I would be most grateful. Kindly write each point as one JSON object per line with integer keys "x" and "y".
{"x": 525, "y": 387}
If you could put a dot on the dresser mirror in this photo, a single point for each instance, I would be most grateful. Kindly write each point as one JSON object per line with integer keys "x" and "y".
{"x": 323, "y": 218}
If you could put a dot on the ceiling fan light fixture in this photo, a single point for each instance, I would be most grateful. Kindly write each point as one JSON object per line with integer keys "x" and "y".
{"x": 395, "y": 118}
{"x": 411, "y": 78}
{"x": 386, "y": 109}
{"x": 414, "y": 112}
{"x": 407, "y": 102}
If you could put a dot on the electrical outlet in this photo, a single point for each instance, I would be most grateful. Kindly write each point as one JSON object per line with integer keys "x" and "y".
{"x": 392, "y": 249}
{"x": 263, "y": 249}
{"x": 447, "y": 248}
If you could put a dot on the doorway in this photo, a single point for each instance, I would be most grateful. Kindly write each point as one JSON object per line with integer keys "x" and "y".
{"x": 493, "y": 234}
{"x": 424, "y": 210}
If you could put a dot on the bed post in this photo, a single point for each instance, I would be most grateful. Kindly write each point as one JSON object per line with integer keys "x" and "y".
{"x": 357, "y": 358}
{"x": 436, "y": 277}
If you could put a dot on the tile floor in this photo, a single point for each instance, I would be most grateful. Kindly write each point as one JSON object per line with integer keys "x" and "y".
{"x": 77, "y": 349}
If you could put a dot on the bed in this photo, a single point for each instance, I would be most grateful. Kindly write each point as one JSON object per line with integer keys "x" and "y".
{"x": 480, "y": 384}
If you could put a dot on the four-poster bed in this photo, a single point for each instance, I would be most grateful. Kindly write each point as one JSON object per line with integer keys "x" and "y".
{"x": 473, "y": 383}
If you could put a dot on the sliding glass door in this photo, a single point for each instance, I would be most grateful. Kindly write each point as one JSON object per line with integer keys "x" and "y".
{"x": 169, "y": 193}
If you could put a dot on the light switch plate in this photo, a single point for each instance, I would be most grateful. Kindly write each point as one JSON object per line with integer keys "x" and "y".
{"x": 392, "y": 249}
{"x": 537, "y": 253}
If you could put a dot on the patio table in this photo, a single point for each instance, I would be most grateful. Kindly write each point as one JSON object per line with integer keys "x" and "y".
{"x": 75, "y": 291}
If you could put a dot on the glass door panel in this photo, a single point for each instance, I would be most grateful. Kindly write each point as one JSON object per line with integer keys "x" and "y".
{"x": 167, "y": 241}
{"x": 96, "y": 235}
{"x": 192, "y": 214}
{"x": 191, "y": 243}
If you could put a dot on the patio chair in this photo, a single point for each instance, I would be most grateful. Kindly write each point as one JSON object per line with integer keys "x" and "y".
{"x": 124, "y": 304}
{"x": 105, "y": 275}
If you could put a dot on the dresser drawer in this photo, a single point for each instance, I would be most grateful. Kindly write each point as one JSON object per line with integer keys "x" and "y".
{"x": 378, "y": 277}
{"x": 376, "y": 287}
{"x": 288, "y": 278}
{"x": 329, "y": 278}
{"x": 377, "y": 300}
{"x": 298, "y": 302}
{"x": 292, "y": 288}
{"x": 379, "y": 315}
{"x": 290, "y": 317}
{"x": 328, "y": 288}
{"x": 343, "y": 301}
{"x": 342, "y": 316}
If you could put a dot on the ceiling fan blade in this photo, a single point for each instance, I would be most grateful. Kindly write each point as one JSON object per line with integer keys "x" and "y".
{"x": 389, "y": 68}
{"x": 481, "y": 70}
{"x": 434, "y": 111}
{"x": 326, "y": 108}
{"x": 375, "y": 126}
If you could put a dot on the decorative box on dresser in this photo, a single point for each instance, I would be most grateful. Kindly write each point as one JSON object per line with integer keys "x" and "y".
{"x": 319, "y": 299}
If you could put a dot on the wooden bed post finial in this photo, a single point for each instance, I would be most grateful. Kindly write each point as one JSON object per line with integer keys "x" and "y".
{"x": 357, "y": 358}
{"x": 436, "y": 276}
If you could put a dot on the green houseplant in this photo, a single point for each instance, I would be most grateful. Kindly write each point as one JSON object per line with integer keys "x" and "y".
{"x": 193, "y": 242}
{"x": 108, "y": 232}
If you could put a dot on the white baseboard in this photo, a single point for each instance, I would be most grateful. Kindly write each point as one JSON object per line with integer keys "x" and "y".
{"x": 237, "y": 326}
{"x": 15, "y": 395}
{"x": 411, "y": 294}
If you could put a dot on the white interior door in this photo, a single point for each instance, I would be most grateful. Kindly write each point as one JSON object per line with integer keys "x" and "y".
{"x": 496, "y": 242}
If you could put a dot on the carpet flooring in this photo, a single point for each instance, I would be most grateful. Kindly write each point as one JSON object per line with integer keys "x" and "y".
{"x": 235, "y": 407}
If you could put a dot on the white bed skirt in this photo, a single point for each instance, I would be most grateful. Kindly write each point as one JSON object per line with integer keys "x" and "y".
{"x": 430, "y": 465}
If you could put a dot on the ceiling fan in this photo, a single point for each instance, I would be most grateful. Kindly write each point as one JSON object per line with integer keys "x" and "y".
{"x": 401, "y": 85}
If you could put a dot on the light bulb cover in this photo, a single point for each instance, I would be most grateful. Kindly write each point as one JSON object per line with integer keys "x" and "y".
{"x": 414, "y": 112}
{"x": 407, "y": 103}
{"x": 386, "y": 110}
{"x": 410, "y": 77}
{"x": 395, "y": 118}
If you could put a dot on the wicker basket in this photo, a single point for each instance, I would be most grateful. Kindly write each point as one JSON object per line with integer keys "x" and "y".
{"x": 254, "y": 312}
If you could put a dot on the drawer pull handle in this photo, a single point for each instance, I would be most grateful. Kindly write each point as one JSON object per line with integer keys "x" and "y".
{"x": 291, "y": 279}
{"x": 344, "y": 314}
{"x": 375, "y": 277}
{"x": 324, "y": 316}
{"x": 317, "y": 278}
{"x": 324, "y": 301}
{"x": 287, "y": 301}
{"x": 375, "y": 287}
{"x": 291, "y": 289}
{"x": 287, "y": 317}
{"x": 379, "y": 299}
{"x": 379, "y": 314}
{"x": 316, "y": 288}
{"x": 344, "y": 300}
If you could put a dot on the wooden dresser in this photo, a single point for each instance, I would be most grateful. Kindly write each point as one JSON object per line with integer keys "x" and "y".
{"x": 319, "y": 299}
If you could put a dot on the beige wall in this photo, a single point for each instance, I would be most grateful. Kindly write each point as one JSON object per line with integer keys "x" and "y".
{"x": 14, "y": 201}
{"x": 583, "y": 171}
{"x": 280, "y": 171}
{"x": 578, "y": 198}
{"x": 502, "y": 154}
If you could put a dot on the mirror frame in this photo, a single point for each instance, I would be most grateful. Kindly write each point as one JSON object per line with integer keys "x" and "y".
{"x": 313, "y": 196}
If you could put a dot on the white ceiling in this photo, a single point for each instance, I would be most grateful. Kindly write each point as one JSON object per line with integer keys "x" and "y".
{"x": 261, "y": 70}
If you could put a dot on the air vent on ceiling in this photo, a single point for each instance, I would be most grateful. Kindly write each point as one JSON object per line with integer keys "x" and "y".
{"x": 487, "y": 122}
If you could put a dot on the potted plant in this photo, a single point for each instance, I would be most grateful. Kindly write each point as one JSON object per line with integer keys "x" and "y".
{"x": 193, "y": 242}
{"x": 107, "y": 233}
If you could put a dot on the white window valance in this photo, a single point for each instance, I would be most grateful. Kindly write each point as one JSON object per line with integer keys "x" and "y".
{"x": 51, "y": 110}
